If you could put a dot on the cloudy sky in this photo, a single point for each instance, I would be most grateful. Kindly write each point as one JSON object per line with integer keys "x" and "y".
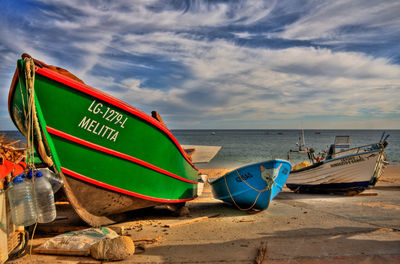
{"x": 221, "y": 64}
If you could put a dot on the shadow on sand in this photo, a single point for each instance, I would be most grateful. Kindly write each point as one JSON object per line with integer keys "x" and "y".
{"x": 348, "y": 244}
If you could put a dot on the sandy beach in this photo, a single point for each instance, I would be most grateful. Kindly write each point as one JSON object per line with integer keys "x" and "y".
{"x": 297, "y": 228}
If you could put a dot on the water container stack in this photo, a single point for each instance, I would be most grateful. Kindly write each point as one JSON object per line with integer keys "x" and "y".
{"x": 43, "y": 199}
{"x": 55, "y": 181}
{"x": 23, "y": 211}
{"x": 33, "y": 202}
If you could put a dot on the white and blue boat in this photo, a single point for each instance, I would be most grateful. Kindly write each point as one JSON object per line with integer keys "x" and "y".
{"x": 252, "y": 187}
{"x": 342, "y": 170}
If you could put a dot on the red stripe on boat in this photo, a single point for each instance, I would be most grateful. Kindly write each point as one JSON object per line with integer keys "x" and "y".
{"x": 111, "y": 100}
{"x": 115, "y": 153}
{"x": 119, "y": 190}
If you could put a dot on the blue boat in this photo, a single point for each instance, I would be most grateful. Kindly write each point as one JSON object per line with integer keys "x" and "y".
{"x": 252, "y": 187}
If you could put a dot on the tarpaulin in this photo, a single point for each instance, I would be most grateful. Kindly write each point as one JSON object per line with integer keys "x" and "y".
{"x": 7, "y": 167}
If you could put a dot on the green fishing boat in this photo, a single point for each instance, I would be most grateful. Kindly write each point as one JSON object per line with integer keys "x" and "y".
{"x": 111, "y": 156}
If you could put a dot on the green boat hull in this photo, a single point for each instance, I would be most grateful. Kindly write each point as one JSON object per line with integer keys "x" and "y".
{"x": 112, "y": 157}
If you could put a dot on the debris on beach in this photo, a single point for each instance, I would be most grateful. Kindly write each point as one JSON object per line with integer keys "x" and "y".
{"x": 9, "y": 151}
{"x": 189, "y": 221}
{"x": 261, "y": 253}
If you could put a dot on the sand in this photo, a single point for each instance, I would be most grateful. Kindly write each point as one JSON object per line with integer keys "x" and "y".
{"x": 391, "y": 176}
{"x": 296, "y": 228}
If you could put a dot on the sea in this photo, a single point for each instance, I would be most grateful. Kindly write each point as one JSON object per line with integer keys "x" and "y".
{"x": 244, "y": 146}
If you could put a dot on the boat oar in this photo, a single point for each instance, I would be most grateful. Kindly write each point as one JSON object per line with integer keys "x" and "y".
{"x": 383, "y": 134}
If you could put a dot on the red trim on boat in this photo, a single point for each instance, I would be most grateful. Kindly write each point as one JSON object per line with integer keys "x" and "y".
{"x": 119, "y": 190}
{"x": 115, "y": 153}
{"x": 111, "y": 100}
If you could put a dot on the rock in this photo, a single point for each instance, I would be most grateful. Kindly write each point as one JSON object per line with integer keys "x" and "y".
{"x": 118, "y": 248}
{"x": 178, "y": 209}
{"x": 184, "y": 211}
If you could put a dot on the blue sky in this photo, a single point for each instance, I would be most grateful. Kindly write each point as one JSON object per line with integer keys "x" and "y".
{"x": 221, "y": 64}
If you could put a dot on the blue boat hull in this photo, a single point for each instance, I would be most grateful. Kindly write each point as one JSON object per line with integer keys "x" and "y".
{"x": 252, "y": 187}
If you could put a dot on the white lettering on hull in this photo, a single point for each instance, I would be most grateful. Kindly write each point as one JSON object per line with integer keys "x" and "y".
{"x": 99, "y": 129}
{"x": 106, "y": 114}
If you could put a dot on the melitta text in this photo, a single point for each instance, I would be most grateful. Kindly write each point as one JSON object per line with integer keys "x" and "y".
{"x": 99, "y": 129}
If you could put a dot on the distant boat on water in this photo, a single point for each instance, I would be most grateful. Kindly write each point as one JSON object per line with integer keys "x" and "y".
{"x": 111, "y": 156}
{"x": 252, "y": 187}
{"x": 340, "y": 170}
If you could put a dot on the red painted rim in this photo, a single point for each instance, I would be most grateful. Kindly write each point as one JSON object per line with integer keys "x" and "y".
{"x": 115, "y": 153}
{"x": 119, "y": 190}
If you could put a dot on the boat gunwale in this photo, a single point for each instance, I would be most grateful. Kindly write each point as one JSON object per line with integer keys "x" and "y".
{"x": 215, "y": 180}
{"x": 115, "y": 153}
{"x": 361, "y": 147}
{"x": 318, "y": 164}
{"x": 86, "y": 89}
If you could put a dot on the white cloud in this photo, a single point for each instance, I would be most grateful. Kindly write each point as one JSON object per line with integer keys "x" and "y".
{"x": 326, "y": 18}
{"x": 222, "y": 81}
{"x": 259, "y": 83}
{"x": 143, "y": 14}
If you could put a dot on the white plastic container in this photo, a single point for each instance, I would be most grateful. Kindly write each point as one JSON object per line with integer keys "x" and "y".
{"x": 44, "y": 199}
{"x": 55, "y": 181}
{"x": 20, "y": 196}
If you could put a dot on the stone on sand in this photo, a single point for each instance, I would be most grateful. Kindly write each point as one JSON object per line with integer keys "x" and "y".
{"x": 118, "y": 248}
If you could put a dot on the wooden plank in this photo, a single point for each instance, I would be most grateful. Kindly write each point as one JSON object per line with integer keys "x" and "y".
{"x": 68, "y": 252}
{"x": 247, "y": 221}
{"x": 147, "y": 240}
{"x": 189, "y": 221}
{"x": 13, "y": 241}
{"x": 57, "y": 229}
{"x": 62, "y": 203}
{"x": 367, "y": 194}
{"x": 157, "y": 116}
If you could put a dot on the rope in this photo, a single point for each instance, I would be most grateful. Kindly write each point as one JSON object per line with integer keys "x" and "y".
{"x": 29, "y": 85}
{"x": 269, "y": 186}
{"x": 33, "y": 125}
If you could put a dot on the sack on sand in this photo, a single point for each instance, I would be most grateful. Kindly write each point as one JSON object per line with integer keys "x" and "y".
{"x": 76, "y": 242}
